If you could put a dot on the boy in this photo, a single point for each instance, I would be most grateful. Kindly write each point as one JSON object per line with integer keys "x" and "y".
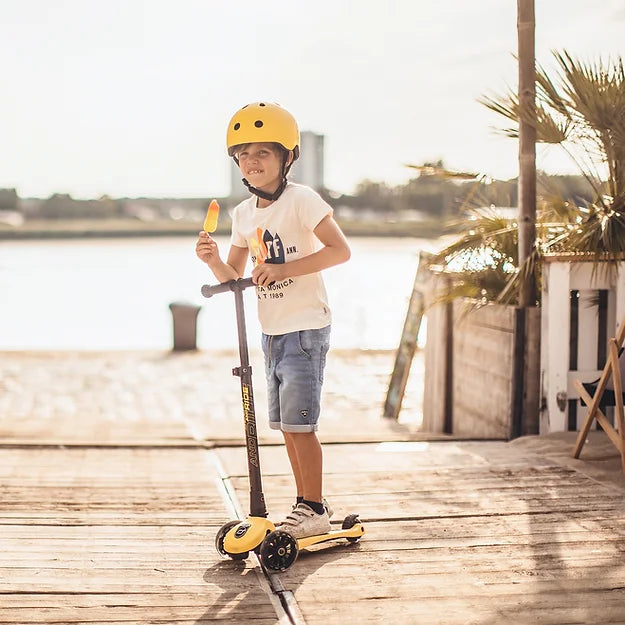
{"x": 291, "y": 236}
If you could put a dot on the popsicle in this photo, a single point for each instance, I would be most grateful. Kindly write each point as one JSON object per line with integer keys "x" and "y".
{"x": 263, "y": 252}
{"x": 212, "y": 215}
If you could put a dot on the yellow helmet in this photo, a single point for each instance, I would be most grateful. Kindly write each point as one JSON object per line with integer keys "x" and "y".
{"x": 263, "y": 122}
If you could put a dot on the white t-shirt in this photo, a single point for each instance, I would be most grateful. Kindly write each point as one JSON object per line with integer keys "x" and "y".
{"x": 281, "y": 233}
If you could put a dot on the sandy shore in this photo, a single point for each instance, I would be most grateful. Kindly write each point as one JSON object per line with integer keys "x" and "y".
{"x": 65, "y": 395}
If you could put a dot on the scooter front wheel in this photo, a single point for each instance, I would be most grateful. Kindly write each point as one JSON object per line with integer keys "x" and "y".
{"x": 219, "y": 542}
{"x": 278, "y": 551}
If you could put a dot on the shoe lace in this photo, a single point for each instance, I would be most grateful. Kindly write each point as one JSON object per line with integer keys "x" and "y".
{"x": 297, "y": 515}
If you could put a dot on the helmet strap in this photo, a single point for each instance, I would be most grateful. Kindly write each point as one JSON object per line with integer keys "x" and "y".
{"x": 272, "y": 197}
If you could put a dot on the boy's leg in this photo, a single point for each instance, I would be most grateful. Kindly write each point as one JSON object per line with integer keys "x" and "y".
{"x": 310, "y": 517}
{"x": 296, "y": 363}
{"x": 292, "y": 453}
{"x": 305, "y": 449}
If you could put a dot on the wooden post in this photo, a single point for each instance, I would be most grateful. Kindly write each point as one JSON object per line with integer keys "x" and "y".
{"x": 448, "y": 407}
{"x": 518, "y": 375}
{"x": 527, "y": 146}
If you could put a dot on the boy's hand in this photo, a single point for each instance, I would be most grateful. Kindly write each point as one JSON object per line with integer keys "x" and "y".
{"x": 266, "y": 273}
{"x": 206, "y": 249}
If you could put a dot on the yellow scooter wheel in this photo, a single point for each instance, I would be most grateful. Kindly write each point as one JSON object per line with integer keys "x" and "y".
{"x": 278, "y": 551}
{"x": 219, "y": 542}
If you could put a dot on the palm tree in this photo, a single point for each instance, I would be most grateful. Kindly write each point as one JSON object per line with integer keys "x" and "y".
{"x": 581, "y": 110}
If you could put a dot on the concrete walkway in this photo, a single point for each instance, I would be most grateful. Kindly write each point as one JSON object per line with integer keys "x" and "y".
{"x": 117, "y": 469}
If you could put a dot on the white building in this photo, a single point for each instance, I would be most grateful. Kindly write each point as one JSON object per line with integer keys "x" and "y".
{"x": 307, "y": 169}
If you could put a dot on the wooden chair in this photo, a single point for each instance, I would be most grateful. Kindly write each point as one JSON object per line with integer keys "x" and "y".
{"x": 611, "y": 372}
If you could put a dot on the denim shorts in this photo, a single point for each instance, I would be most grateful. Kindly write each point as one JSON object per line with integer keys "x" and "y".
{"x": 294, "y": 365}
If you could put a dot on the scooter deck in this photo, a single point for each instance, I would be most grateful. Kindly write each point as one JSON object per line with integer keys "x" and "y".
{"x": 239, "y": 537}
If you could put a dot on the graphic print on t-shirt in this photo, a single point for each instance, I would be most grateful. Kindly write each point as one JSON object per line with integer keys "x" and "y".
{"x": 267, "y": 248}
{"x": 258, "y": 249}
{"x": 274, "y": 247}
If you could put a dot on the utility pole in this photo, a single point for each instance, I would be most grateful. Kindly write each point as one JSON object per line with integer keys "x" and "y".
{"x": 526, "y": 24}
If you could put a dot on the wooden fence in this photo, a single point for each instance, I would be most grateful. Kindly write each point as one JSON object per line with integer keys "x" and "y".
{"x": 482, "y": 370}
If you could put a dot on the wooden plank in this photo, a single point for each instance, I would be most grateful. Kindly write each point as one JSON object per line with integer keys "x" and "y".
{"x": 118, "y": 536}
{"x": 531, "y": 565}
{"x": 428, "y": 610}
{"x": 498, "y": 318}
{"x": 408, "y": 341}
{"x": 483, "y": 371}
{"x": 556, "y": 365}
{"x": 465, "y": 543}
{"x": 618, "y": 393}
{"x": 436, "y": 393}
{"x": 455, "y": 533}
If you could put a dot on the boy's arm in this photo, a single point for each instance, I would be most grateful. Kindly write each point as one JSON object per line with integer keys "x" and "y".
{"x": 233, "y": 268}
{"x": 335, "y": 250}
{"x": 237, "y": 259}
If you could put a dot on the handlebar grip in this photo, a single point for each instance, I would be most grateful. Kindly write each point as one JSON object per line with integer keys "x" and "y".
{"x": 244, "y": 283}
{"x": 209, "y": 290}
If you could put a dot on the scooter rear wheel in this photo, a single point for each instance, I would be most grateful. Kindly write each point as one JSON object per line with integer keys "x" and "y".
{"x": 219, "y": 542}
{"x": 278, "y": 551}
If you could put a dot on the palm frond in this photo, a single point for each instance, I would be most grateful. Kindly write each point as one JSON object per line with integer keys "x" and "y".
{"x": 549, "y": 127}
{"x": 547, "y": 93}
{"x": 581, "y": 109}
{"x": 507, "y": 106}
{"x": 438, "y": 171}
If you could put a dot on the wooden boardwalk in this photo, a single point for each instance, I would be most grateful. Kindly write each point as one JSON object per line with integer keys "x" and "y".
{"x": 108, "y": 519}
{"x": 118, "y": 536}
{"x": 457, "y": 533}
{"x": 463, "y": 533}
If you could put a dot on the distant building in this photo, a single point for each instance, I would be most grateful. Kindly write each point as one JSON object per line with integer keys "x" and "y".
{"x": 307, "y": 169}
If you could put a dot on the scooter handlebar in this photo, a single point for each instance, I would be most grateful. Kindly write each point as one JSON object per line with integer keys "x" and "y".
{"x": 209, "y": 290}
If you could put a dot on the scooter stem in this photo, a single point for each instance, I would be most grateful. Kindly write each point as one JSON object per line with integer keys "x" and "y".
{"x": 244, "y": 371}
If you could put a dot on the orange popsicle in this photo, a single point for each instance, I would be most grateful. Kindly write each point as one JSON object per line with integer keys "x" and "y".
{"x": 212, "y": 215}
{"x": 262, "y": 251}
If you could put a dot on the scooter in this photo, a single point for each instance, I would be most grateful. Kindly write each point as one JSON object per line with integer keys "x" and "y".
{"x": 276, "y": 548}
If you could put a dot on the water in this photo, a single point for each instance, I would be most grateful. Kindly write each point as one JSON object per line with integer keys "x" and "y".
{"x": 114, "y": 294}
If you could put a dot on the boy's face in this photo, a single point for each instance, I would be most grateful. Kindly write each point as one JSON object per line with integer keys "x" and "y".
{"x": 261, "y": 165}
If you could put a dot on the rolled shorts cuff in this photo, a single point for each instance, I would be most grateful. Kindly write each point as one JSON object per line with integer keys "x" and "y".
{"x": 285, "y": 427}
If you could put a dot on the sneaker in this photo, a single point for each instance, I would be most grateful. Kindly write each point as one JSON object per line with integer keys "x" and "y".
{"x": 326, "y": 505}
{"x": 303, "y": 521}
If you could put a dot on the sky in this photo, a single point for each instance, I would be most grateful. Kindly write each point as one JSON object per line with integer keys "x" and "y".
{"x": 132, "y": 98}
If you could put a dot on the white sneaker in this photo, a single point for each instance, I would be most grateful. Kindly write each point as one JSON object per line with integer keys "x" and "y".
{"x": 303, "y": 521}
{"x": 326, "y": 505}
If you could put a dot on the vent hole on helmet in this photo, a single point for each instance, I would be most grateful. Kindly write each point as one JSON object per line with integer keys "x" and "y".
{"x": 237, "y": 126}
{"x": 258, "y": 123}
{"x": 261, "y": 104}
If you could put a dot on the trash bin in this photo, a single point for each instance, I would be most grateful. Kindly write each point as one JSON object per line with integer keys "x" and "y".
{"x": 185, "y": 325}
